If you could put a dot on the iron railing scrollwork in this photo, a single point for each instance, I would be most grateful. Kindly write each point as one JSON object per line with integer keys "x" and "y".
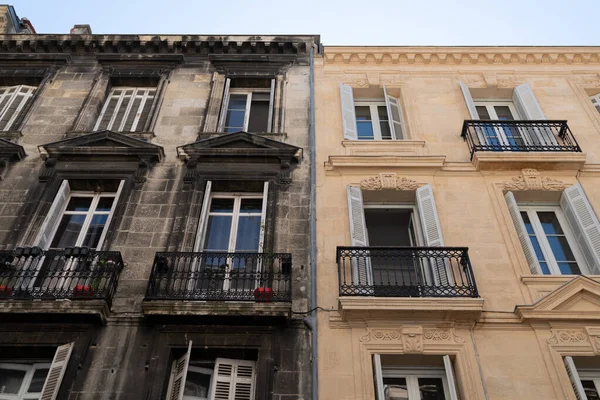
{"x": 261, "y": 277}
{"x": 405, "y": 272}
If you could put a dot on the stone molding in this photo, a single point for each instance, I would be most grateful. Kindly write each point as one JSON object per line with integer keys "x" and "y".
{"x": 412, "y": 338}
{"x": 388, "y": 180}
{"x": 531, "y": 179}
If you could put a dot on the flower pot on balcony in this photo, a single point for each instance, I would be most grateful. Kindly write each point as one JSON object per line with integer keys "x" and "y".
{"x": 5, "y": 291}
{"x": 263, "y": 295}
{"x": 82, "y": 291}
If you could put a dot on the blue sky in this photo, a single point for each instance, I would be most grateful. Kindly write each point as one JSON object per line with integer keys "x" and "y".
{"x": 349, "y": 22}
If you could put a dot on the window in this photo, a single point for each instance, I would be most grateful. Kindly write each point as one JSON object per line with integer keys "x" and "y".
{"x": 558, "y": 239}
{"x": 80, "y": 214}
{"x": 596, "y": 101}
{"x": 371, "y": 119}
{"x": 585, "y": 376}
{"x": 431, "y": 379}
{"x": 247, "y": 105}
{"x": 500, "y": 111}
{"x": 12, "y": 101}
{"x": 127, "y": 109}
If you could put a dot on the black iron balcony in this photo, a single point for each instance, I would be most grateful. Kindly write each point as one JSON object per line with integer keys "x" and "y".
{"x": 260, "y": 277}
{"x": 405, "y": 272}
{"x": 74, "y": 273}
{"x": 542, "y": 135}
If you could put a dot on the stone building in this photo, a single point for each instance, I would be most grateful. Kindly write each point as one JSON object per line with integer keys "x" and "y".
{"x": 154, "y": 216}
{"x": 457, "y": 222}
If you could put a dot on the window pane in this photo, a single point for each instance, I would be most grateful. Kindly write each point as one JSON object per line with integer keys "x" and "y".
{"x": 108, "y": 113}
{"x": 105, "y": 203}
{"x": 483, "y": 112}
{"x": 395, "y": 389}
{"x": 251, "y": 206}
{"x": 235, "y": 121}
{"x": 68, "y": 231}
{"x": 363, "y": 113}
{"x": 221, "y": 205}
{"x": 132, "y": 113}
{"x": 259, "y": 116}
{"x": 590, "y": 390}
{"x": 504, "y": 113}
{"x": 217, "y": 233}
{"x": 79, "y": 204}
{"x": 11, "y": 380}
{"x": 37, "y": 382}
{"x": 197, "y": 384}
{"x": 92, "y": 237}
{"x": 558, "y": 243}
{"x": 237, "y": 102}
{"x": 550, "y": 223}
{"x": 431, "y": 389}
{"x": 248, "y": 234}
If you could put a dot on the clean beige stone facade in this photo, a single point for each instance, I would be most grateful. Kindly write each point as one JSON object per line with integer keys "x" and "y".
{"x": 509, "y": 343}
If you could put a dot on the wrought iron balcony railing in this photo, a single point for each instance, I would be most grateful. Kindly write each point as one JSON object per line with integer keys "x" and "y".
{"x": 261, "y": 277}
{"x": 405, "y": 272}
{"x": 541, "y": 135}
{"x": 74, "y": 273}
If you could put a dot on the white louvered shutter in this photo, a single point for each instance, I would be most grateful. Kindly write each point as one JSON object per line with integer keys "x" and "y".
{"x": 575, "y": 380}
{"x": 529, "y": 108}
{"x": 378, "y": 377}
{"x": 44, "y": 237}
{"x": 453, "y": 393}
{"x": 12, "y": 101}
{"x": 201, "y": 231}
{"x": 110, "y": 216}
{"x": 469, "y": 100}
{"x": 224, "y": 105}
{"x": 515, "y": 215}
{"x": 178, "y": 375}
{"x": 432, "y": 231}
{"x": 395, "y": 116}
{"x": 263, "y": 217}
{"x": 348, "y": 113}
{"x": 56, "y": 372}
{"x": 126, "y": 109}
{"x": 358, "y": 232}
{"x": 584, "y": 224}
{"x": 233, "y": 380}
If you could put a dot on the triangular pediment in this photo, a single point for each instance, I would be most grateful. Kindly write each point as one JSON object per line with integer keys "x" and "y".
{"x": 11, "y": 151}
{"x": 102, "y": 143}
{"x": 578, "y": 299}
{"x": 241, "y": 144}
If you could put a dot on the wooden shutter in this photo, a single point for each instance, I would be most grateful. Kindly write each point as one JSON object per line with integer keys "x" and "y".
{"x": 263, "y": 217}
{"x": 453, "y": 393}
{"x": 108, "y": 110}
{"x": 224, "y": 105}
{"x": 178, "y": 375}
{"x": 271, "y": 106}
{"x": 358, "y": 232}
{"x": 44, "y": 237}
{"x": 575, "y": 380}
{"x": 348, "y": 113}
{"x": 233, "y": 380}
{"x": 395, "y": 116}
{"x": 432, "y": 232}
{"x": 515, "y": 215}
{"x": 378, "y": 377}
{"x": 526, "y": 103}
{"x": 56, "y": 372}
{"x": 469, "y": 100}
{"x": 110, "y": 215}
{"x": 584, "y": 224}
{"x": 201, "y": 230}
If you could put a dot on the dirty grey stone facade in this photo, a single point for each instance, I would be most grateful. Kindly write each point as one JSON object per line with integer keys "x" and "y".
{"x": 124, "y": 346}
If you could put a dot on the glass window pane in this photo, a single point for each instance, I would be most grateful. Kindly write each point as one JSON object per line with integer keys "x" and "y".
{"x": 79, "y": 204}
{"x": 11, "y": 381}
{"x": 504, "y": 113}
{"x": 590, "y": 390}
{"x": 431, "y": 389}
{"x": 217, "y": 233}
{"x": 37, "y": 382}
{"x": 550, "y": 223}
{"x": 483, "y": 112}
{"x": 251, "y": 206}
{"x": 560, "y": 248}
{"x": 382, "y": 113}
{"x": 363, "y": 113}
{"x": 386, "y": 134}
{"x": 105, "y": 203}
{"x": 92, "y": 237}
{"x": 197, "y": 385}
{"x": 237, "y": 102}
{"x": 221, "y": 205}
{"x": 68, "y": 231}
{"x": 395, "y": 389}
{"x": 567, "y": 268}
{"x": 365, "y": 130}
{"x": 235, "y": 121}
{"x": 248, "y": 234}
{"x": 259, "y": 115}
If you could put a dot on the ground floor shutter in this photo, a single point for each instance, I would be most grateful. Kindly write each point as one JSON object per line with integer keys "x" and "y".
{"x": 56, "y": 372}
{"x": 178, "y": 375}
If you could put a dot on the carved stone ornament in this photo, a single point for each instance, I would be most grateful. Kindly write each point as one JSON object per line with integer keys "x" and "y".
{"x": 412, "y": 339}
{"x": 381, "y": 335}
{"x": 568, "y": 336}
{"x": 441, "y": 335}
{"x": 530, "y": 179}
{"x": 388, "y": 181}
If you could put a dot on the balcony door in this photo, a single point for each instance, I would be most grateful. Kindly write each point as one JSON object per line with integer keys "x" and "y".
{"x": 500, "y": 136}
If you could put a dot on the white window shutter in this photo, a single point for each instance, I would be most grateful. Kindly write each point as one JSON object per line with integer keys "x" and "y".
{"x": 526, "y": 103}
{"x": 224, "y": 105}
{"x": 469, "y": 100}
{"x": 263, "y": 217}
{"x": 201, "y": 230}
{"x": 378, "y": 377}
{"x": 358, "y": 232}
{"x": 56, "y": 372}
{"x": 178, "y": 376}
{"x": 348, "y": 113}
{"x": 515, "y": 215}
{"x": 575, "y": 380}
{"x": 233, "y": 380}
{"x": 44, "y": 237}
{"x": 453, "y": 393}
{"x": 584, "y": 223}
{"x": 271, "y": 106}
{"x": 110, "y": 216}
{"x": 395, "y": 116}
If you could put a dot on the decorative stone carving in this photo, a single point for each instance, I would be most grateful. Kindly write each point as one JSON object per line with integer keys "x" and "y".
{"x": 568, "y": 336}
{"x": 531, "y": 179}
{"x": 412, "y": 339}
{"x": 388, "y": 180}
{"x": 438, "y": 335}
{"x": 382, "y": 335}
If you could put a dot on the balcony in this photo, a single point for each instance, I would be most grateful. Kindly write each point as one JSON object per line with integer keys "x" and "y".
{"x": 70, "y": 281}
{"x": 208, "y": 283}
{"x": 535, "y": 144}
{"x": 407, "y": 279}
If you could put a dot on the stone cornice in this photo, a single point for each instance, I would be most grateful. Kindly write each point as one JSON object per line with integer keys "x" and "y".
{"x": 463, "y": 55}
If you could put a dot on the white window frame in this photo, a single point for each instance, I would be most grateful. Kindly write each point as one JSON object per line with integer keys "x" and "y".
{"x": 416, "y": 222}
{"x": 248, "y": 92}
{"x": 412, "y": 376}
{"x": 30, "y": 371}
{"x": 532, "y": 210}
{"x": 20, "y": 90}
{"x": 490, "y": 104}
{"x": 595, "y": 99}
{"x": 202, "y": 370}
{"x": 375, "y": 122}
{"x": 590, "y": 375}
{"x": 144, "y": 93}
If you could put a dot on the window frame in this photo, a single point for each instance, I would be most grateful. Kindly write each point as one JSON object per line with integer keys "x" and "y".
{"x": 145, "y": 97}
{"x": 30, "y": 92}
{"x": 248, "y": 92}
{"x": 595, "y": 99}
{"x": 532, "y": 209}
{"x": 416, "y": 222}
{"x": 202, "y": 370}
{"x": 593, "y": 375}
{"x": 412, "y": 375}
{"x": 373, "y": 105}
{"x": 30, "y": 369}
